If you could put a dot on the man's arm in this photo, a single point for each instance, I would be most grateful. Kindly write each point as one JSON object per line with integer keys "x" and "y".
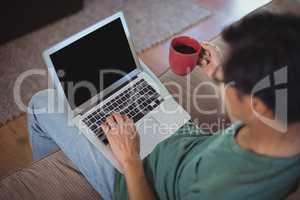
{"x": 136, "y": 181}
{"x": 125, "y": 144}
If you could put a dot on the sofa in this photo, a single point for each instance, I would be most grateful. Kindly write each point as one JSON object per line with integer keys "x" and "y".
{"x": 55, "y": 178}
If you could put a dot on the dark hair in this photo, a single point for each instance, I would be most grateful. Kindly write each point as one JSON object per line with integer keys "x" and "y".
{"x": 260, "y": 45}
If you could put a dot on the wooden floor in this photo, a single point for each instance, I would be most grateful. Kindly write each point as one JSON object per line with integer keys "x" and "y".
{"x": 14, "y": 144}
{"x": 15, "y": 151}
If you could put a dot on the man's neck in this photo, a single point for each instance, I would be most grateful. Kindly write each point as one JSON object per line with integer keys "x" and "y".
{"x": 264, "y": 140}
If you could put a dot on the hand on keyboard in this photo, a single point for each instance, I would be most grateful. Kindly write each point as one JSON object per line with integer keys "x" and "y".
{"x": 135, "y": 102}
{"x": 123, "y": 138}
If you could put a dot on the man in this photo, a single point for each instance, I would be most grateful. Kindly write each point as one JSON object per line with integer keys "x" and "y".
{"x": 252, "y": 159}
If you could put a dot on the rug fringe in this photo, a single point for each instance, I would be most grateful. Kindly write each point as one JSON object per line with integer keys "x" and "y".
{"x": 12, "y": 118}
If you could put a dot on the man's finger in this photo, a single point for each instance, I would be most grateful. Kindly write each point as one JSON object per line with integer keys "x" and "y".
{"x": 111, "y": 122}
{"x": 127, "y": 119}
{"x": 214, "y": 50}
{"x": 203, "y": 62}
{"x": 105, "y": 128}
{"x": 106, "y": 131}
{"x": 130, "y": 123}
{"x": 119, "y": 119}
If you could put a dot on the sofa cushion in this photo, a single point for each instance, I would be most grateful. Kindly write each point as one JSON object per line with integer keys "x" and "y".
{"x": 295, "y": 195}
{"x": 53, "y": 177}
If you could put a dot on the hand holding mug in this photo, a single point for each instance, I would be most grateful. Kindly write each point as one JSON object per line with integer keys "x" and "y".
{"x": 211, "y": 59}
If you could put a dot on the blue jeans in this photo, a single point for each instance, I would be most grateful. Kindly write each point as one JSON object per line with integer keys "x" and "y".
{"x": 50, "y": 130}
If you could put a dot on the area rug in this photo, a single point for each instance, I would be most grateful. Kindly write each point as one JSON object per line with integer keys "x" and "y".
{"x": 150, "y": 22}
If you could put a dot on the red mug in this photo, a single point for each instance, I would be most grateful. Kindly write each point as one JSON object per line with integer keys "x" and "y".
{"x": 184, "y": 54}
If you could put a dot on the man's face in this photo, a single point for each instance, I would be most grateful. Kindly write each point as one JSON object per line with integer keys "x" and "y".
{"x": 245, "y": 107}
{"x": 238, "y": 107}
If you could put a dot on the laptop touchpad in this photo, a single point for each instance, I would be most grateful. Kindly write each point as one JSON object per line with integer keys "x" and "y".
{"x": 149, "y": 135}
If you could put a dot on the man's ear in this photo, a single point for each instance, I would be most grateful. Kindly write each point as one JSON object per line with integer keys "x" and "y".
{"x": 260, "y": 107}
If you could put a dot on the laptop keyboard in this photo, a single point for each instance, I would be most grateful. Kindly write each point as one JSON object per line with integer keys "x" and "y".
{"x": 134, "y": 102}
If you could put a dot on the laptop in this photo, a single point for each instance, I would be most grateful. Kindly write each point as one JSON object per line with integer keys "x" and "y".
{"x": 97, "y": 72}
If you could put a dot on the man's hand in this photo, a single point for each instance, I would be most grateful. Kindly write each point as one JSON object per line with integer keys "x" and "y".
{"x": 125, "y": 144}
{"x": 123, "y": 139}
{"x": 211, "y": 59}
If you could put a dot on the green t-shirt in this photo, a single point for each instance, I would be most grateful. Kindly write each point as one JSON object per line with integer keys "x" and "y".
{"x": 192, "y": 166}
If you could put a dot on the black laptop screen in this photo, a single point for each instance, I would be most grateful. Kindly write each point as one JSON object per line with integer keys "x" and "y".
{"x": 93, "y": 62}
